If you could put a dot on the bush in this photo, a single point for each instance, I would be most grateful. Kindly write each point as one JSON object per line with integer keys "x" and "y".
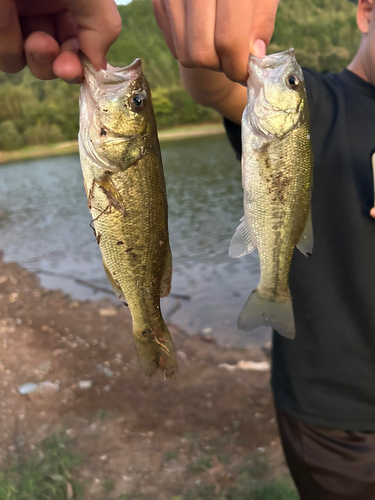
{"x": 42, "y": 134}
{"x": 174, "y": 107}
{"x": 10, "y": 138}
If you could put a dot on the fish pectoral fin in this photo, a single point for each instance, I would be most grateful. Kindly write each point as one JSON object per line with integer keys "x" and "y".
{"x": 112, "y": 194}
{"x": 241, "y": 243}
{"x": 306, "y": 243}
{"x": 166, "y": 279}
{"x": 116, "y": 287}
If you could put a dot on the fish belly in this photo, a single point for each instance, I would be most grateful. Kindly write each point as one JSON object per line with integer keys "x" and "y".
{"x": 130, "y": 218}
{"x": 277, "y": 183}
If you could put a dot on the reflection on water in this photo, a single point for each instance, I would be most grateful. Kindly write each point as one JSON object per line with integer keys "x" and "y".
{"x": 45, "y": 225}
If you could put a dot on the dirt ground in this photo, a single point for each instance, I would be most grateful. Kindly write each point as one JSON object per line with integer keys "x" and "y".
{"x": 146, "y": 436}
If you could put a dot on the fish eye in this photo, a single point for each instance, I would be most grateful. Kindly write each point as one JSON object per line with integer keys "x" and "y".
{"x": 137, "y": 102}
{"x": 293, "y": 81}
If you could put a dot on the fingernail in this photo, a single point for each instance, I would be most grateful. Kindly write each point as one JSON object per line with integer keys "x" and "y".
{"x": 43, "y": 58}
{"x": 259, "y": 48}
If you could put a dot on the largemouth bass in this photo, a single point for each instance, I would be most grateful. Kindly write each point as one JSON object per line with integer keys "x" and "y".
{"x": 124, "y": 182}
{"x": 276, "y": 178}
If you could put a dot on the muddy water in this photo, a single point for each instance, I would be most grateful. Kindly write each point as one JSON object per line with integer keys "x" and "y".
{"x": 44, "y": 226}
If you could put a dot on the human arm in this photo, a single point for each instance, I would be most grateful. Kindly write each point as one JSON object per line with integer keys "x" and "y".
{"x": 46, "y": 35}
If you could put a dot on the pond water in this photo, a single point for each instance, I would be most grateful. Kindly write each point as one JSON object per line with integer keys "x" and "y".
{"x": 44, "y": 226}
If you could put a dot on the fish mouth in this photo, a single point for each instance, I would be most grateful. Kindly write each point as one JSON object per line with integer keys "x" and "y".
{"x": 111, "y": 75}
{"x": 272, "y": 61}
{"x": 267, "y": 69}
{"x": 97, "y": 85}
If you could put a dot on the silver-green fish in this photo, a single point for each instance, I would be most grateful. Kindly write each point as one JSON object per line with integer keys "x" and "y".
{"x": 276, "y": 178}
{"x": 124, "y": 181}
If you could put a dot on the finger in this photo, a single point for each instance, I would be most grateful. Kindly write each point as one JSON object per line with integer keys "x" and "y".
{"x": 12, "y": 57}
{"x": 232, "y": 36}
{"x": 161, "y": 16}
{"x": 67, "y": 64}
{"x": 177, "y": 19}
{"x": 372, "y": 212}
{"x": 41, "y": 50}
{"x": 201, "y": 17}
{"x": 263, "y": 26}
{"x": 66, "y": 26}
{"x": 99, "y": 24}
{"x": 41, "y": 7}
{"x": 37, "y": 23}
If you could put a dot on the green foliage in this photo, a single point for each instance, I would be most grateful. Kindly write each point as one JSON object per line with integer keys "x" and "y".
{"x": 174, "y": 107}
{"x": 45, "y": 475}
{"x": 142, "y": 38}
{"x": 9, "y": 136}
{"x": 323, "y": 32}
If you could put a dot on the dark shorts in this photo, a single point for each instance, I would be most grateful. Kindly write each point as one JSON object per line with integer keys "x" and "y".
{"x": 328, "y": 464}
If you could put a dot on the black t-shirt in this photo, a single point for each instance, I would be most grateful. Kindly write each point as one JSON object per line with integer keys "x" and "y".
{"x": 326, "y": 375}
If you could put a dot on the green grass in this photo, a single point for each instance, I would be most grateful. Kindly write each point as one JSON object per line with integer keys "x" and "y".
{"x": 171, "y": 455}
{"x": 257, "y": 466}
{"x": 201, "y": 464}
{"x": 108, "y": 486}
{"x": 276, "y": 490}
{"x": 44, "y": 475}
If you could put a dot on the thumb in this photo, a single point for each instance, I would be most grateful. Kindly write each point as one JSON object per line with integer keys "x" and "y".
{"x": 263, "y": 26}
{"x": 99, "y": 24}
{"x": 372, "y": 212}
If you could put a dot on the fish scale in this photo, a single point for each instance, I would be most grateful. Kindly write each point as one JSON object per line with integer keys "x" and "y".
{"x": 276, "y": 177}
{"x": 124, "y": 181}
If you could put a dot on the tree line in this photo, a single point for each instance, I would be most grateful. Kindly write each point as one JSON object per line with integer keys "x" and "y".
{"x": 32, "y": 112}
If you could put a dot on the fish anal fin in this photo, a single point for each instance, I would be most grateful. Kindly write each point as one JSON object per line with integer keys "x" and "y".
{"x": 116, "y": 287}
{"x": 306, "y": 243}
{"x": 242, "y": 243}
{"x": 166, "y": 279}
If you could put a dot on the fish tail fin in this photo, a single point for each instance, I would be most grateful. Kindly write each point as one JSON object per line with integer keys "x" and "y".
{"x": 260, "y": 311}
{"x": 155, "y": 349}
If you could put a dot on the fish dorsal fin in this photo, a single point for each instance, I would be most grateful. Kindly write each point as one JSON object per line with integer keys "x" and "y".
{"x": 306, "y": 243}
{"x": 241, "y": 243}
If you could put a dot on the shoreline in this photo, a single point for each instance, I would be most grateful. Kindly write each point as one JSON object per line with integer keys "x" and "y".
{"x": 210, "y": 432}
{"x": 71, "y": 147}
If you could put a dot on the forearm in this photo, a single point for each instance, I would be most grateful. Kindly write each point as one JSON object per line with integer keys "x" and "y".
{"x": 213, "y": 89}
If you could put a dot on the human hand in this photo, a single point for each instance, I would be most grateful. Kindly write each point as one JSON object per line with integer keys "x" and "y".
{"x": 48, "y": 34}
{"x": 372, "y": 212}
{"x": 217, "y": 34}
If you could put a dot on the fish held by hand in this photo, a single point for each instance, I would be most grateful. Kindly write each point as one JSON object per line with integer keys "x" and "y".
{"x": 277, "y": 180}
{"x": 125, "y": 186}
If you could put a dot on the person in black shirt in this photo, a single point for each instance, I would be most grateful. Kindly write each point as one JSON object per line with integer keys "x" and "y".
{"x": 324, "y": 380}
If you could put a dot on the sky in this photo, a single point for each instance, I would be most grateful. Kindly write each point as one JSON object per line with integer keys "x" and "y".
{"x": 122, "y": 2}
